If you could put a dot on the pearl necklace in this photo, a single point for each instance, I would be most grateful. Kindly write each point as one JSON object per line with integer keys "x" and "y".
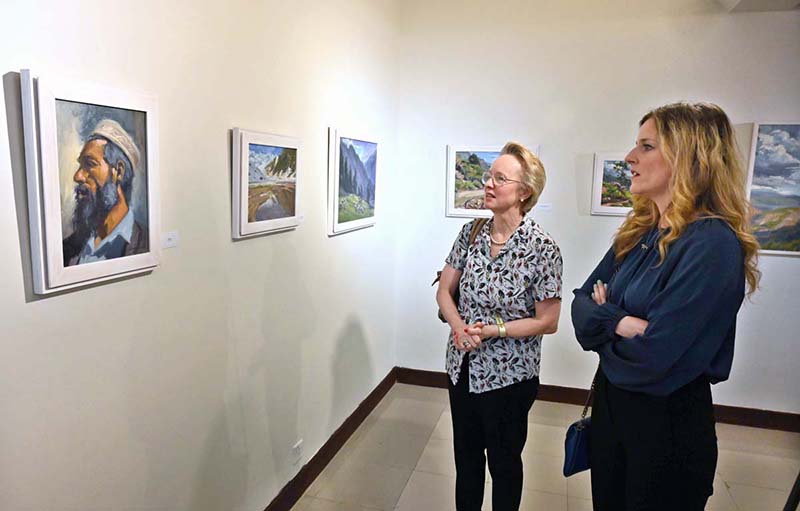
{"x": 494, "y": 241}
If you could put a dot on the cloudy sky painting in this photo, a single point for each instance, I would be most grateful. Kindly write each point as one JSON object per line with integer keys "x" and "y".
{"x": 775, "y": 188}
{"x": 777, "y": 166}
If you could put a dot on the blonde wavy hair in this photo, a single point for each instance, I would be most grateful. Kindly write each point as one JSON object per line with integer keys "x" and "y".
{"x": 533, "y": 175}
{"x": 708, "y": 181}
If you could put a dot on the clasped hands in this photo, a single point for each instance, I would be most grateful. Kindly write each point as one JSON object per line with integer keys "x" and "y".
{"x": 629, "y": 326}
{"x": 470, "y": 337}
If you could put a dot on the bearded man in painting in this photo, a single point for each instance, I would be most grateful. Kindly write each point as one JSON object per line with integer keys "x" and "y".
{"x": 103, "y": 221}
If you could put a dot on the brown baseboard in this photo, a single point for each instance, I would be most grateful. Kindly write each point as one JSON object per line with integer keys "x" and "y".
{"x": 738, "y": 416}
{"x": 421, "y": 377}
{"x": 295, "y": 488}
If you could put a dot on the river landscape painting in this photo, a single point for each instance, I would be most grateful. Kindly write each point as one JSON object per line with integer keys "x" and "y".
{"x": 774, "y": 181}
{"x": 352, "y": 201}
{"x": 266, "y": 168}
{"x": 272, "y": 175}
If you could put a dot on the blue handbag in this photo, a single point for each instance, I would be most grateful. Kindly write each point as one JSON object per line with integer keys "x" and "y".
{"x": 576, "y": 444}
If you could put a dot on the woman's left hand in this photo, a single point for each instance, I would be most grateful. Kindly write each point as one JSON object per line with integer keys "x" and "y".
{"x": 599, "y": 294}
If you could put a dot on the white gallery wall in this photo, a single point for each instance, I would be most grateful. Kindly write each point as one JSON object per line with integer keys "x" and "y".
{"x": 575, "y": 77}
{"x": 186, "y": 388}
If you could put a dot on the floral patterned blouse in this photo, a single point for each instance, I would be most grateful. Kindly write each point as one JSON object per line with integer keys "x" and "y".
{"x": 525, "y": 271}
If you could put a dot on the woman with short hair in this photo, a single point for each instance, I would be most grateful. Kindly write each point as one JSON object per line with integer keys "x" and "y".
{"x": 660, "y": 310}
{"x": 509, "y": 277}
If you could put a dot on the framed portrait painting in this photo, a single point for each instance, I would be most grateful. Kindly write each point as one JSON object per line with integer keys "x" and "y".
{"x": 91, "y": 157}
{"x": 265, "y": 171}
{"x": 773, "y": 184}
{"x": 352, "y": 176}
{"x": 611, "y": 194}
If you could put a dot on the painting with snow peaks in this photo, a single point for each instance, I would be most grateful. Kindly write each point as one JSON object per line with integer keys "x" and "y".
{"x": 352, "y": 178}
{"x": 272, "y": 174}
{"x": 265, "y": 173}
{"x": 774, "y": 181}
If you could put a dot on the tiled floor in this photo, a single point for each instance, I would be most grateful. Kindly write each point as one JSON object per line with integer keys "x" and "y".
{"x": 401, "y": 458}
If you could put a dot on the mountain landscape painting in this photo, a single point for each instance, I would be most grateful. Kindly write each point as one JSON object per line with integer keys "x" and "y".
{"x": 357, "y": 169}
{"x": 470, "y": 166}
{"x": 616, "y": 190}
{"x": 272, "y": 177}
{"x": 775, "y": 187}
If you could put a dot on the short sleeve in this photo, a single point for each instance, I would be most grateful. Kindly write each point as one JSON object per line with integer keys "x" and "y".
{"x": 546, "y": 282}
{"x": 458, "y": 254}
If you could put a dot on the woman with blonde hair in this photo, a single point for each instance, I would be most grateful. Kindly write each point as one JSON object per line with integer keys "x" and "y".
{"x": 508, "y": 272}
{"x": 660, "y": 310}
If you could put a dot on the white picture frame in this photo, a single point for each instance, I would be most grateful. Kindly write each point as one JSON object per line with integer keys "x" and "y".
{"x": 773, "y": 187}
{"x": 344, "y": 214}
{"x": 604, "y": 203}
{"x": 455, "y": 200}
{"x": 48, "y": 168}
{"x": 453, "y": 197}
{"x": 256, "y": 208}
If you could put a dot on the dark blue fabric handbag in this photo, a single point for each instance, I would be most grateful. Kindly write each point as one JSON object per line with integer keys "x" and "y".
{"x": 576, "y": 445}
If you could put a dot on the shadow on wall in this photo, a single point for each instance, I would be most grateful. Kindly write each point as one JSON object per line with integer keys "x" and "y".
{"x": 584, "y": 166}
{"x": 352, "y": 371}
{"x": 16, "y": 145}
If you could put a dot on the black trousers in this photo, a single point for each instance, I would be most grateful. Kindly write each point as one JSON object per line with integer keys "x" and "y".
{"x": 493, "y": 424}
{"x": 651, "y": 453}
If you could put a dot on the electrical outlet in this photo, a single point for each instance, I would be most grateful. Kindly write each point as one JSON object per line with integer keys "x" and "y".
{"x": 297, "y": 452}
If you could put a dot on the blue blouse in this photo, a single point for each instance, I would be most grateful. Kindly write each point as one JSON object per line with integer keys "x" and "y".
{"x": 690, "y": 302}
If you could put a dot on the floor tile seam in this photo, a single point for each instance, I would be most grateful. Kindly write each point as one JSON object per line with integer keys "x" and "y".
{"x": 759, "y": 487}
{"x": 431, "y": 472}
{"x": 405, "y": 487}
{"x": 363, "y": 506}
{"x": 384, "y": 465}
{"x": 730, "y": 481}
{"x": 790, "y": 461}
{"x": 730, "y": 496}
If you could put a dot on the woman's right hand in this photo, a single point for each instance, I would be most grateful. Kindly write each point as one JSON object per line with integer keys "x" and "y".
{"x": 464, "y": 342}
{"x": 631, "y": 326}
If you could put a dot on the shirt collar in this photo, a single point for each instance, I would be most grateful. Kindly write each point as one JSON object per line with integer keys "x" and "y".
{"x": 124, "y": 229}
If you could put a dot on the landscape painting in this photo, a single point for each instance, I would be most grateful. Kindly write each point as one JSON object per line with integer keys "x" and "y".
{"x": 357, "y": 159}
{"x": 775, "y": 187}
{"x": 611, "y": 194}
{"x": 272, "y": 175}
{"x": 265, "y": 170}
{"x": 465, "y": 168}
{"x": 354, "y": 172}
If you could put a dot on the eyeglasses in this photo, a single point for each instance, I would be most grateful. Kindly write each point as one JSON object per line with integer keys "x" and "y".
{"x": 499, "y": 180}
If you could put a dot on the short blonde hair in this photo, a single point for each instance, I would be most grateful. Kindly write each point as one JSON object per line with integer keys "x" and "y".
{"x": 533, "y": 175}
